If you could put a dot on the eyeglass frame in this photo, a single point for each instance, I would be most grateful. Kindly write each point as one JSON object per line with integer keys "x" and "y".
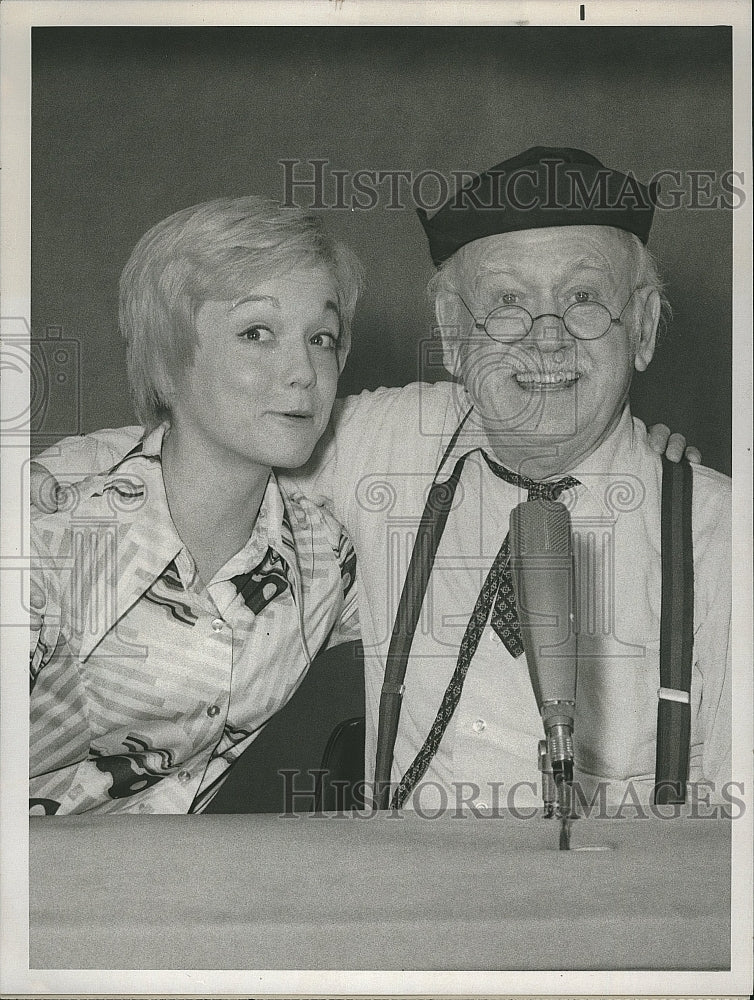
{"x": 613, "y": 319}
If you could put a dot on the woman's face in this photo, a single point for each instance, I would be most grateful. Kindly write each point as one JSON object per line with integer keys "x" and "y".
{"x": 265, "y": 371}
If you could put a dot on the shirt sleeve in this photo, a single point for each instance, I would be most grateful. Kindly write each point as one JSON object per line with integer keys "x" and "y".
{"x": 717, "y": 761}
{"x": 713, "y": 653}
{"x": 42, "y": 637}
{"x": 347, "y": 628}
{"x": 713, "y": 640}
{"x": 75, "y": 458}
{"x": 59, "y": 735}
{"x": 359, "y": 439}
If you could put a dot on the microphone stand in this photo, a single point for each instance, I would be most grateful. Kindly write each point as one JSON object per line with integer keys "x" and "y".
{"x": 542, "y": 576}
{"x": 549, "y": 792}
{"x": 555, "y": 758}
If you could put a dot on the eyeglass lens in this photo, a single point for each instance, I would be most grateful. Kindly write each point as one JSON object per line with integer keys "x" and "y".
{"x": 583, "y": 320}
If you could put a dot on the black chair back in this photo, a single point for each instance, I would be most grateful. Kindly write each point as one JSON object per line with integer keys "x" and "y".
{"x": 341, "y": 786}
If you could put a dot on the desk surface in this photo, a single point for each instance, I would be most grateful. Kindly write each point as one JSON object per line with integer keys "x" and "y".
{"x": 380, "y": 892}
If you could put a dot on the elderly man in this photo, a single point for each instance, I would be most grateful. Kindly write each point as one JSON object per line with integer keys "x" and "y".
{"x": 547, "y": 301}
{"x": 545, "y": 310}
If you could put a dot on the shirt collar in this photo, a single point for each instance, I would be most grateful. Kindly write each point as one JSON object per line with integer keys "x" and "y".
{"x": 140, "y": 528}
{"x": 144, "y": 523}
{"x": 147, "y": 540}
{"x": 465, "y": 434}
{"x": 272, "y": 530}
{"x": 608, "y": 486}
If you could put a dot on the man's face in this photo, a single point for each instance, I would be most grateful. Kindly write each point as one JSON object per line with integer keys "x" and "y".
{"x": 265, "y": 370}
{"x": 549, "y": 391}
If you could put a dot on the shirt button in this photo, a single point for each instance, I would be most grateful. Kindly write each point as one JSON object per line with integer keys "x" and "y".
{"x": 478, "y": 725}
{"x": 494, "y": 637}
{"x": 484, "y": 807}
{"x": 217, "y": 625}
{"x": 184, "y": 776}
{"x": 213, "y": 710}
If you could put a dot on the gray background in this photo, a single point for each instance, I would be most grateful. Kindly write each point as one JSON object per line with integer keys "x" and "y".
{"x": 132, "y": 124}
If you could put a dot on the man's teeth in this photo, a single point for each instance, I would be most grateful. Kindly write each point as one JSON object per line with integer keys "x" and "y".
{"x": 546, "y": 378}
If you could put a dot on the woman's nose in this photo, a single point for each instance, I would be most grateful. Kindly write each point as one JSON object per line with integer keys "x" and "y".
{"x": 301, "y": 370}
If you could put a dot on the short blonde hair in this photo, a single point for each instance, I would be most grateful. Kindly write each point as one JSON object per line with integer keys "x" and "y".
{"x": 214, "y": 251}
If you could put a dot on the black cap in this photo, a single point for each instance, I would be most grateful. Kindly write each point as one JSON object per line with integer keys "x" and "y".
{"x": 541, "y": 187}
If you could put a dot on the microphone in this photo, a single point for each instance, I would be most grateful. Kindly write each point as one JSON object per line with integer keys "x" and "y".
{"x": 541, "y": 568}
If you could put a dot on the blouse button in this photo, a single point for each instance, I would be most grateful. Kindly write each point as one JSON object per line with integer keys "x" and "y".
{"x": 184, "y": 776}
{"x": 217, "y": 625}
{"x": 478, "y": 725}
{"x": 213, "y": 710}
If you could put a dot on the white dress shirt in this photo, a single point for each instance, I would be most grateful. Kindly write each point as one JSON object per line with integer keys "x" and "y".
{"x": 376, "y": 470}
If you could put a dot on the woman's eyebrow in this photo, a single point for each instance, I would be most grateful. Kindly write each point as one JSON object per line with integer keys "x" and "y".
{"x": 329, "y": 306}
{"x": 256, "y": 298}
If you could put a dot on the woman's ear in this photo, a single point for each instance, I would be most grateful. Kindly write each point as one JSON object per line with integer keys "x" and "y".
{"x": 342, "y": 354}
{"x": 648, "y": 322}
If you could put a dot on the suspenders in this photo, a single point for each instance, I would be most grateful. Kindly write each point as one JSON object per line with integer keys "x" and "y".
{"x": 676, "y": 635}
{"x": 428, "y": 535}
{"x": 676, "y": 630}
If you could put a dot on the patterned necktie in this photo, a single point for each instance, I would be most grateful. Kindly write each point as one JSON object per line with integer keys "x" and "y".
{"x": 498, "y": 587}
{"x": 504, "y": 619}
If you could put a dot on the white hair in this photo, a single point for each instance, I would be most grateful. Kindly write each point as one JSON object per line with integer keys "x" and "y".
{"x": 451, "y": 277}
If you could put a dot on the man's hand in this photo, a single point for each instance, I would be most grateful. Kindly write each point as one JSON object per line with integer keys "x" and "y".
{"x": 673, "y": 445}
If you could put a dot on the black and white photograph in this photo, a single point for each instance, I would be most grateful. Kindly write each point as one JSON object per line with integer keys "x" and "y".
{"x": 376, "y": 499}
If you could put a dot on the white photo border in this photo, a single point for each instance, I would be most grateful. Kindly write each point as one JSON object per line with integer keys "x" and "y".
{"x": 17, "y": 17}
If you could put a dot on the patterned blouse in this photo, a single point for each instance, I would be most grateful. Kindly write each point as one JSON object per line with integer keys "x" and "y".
{"x": 146, "y": 685}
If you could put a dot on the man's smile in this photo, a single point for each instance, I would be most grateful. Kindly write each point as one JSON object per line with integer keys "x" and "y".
{"x": 537, "y": 381}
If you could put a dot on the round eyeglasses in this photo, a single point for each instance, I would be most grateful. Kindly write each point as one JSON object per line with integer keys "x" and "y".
{"x": 582, "y": 320}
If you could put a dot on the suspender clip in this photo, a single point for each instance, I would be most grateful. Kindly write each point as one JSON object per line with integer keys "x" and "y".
{"x": 673, "y": 694}
{"x": 389, "y": 688}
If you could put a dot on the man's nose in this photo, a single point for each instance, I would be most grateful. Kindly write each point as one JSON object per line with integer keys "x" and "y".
{"x": 549, "y": 332}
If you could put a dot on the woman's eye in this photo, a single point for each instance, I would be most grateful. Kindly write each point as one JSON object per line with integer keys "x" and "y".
{"x": 256, "y": 333}
{"x": 324, "y": 339}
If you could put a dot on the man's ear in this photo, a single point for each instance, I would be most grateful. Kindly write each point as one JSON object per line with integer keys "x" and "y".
{"x": 648, "y": 322}
{"x": 448, "y": 322}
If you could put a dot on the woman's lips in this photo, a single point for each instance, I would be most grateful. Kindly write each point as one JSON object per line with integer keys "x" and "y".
{"x": 293, "y": 414}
